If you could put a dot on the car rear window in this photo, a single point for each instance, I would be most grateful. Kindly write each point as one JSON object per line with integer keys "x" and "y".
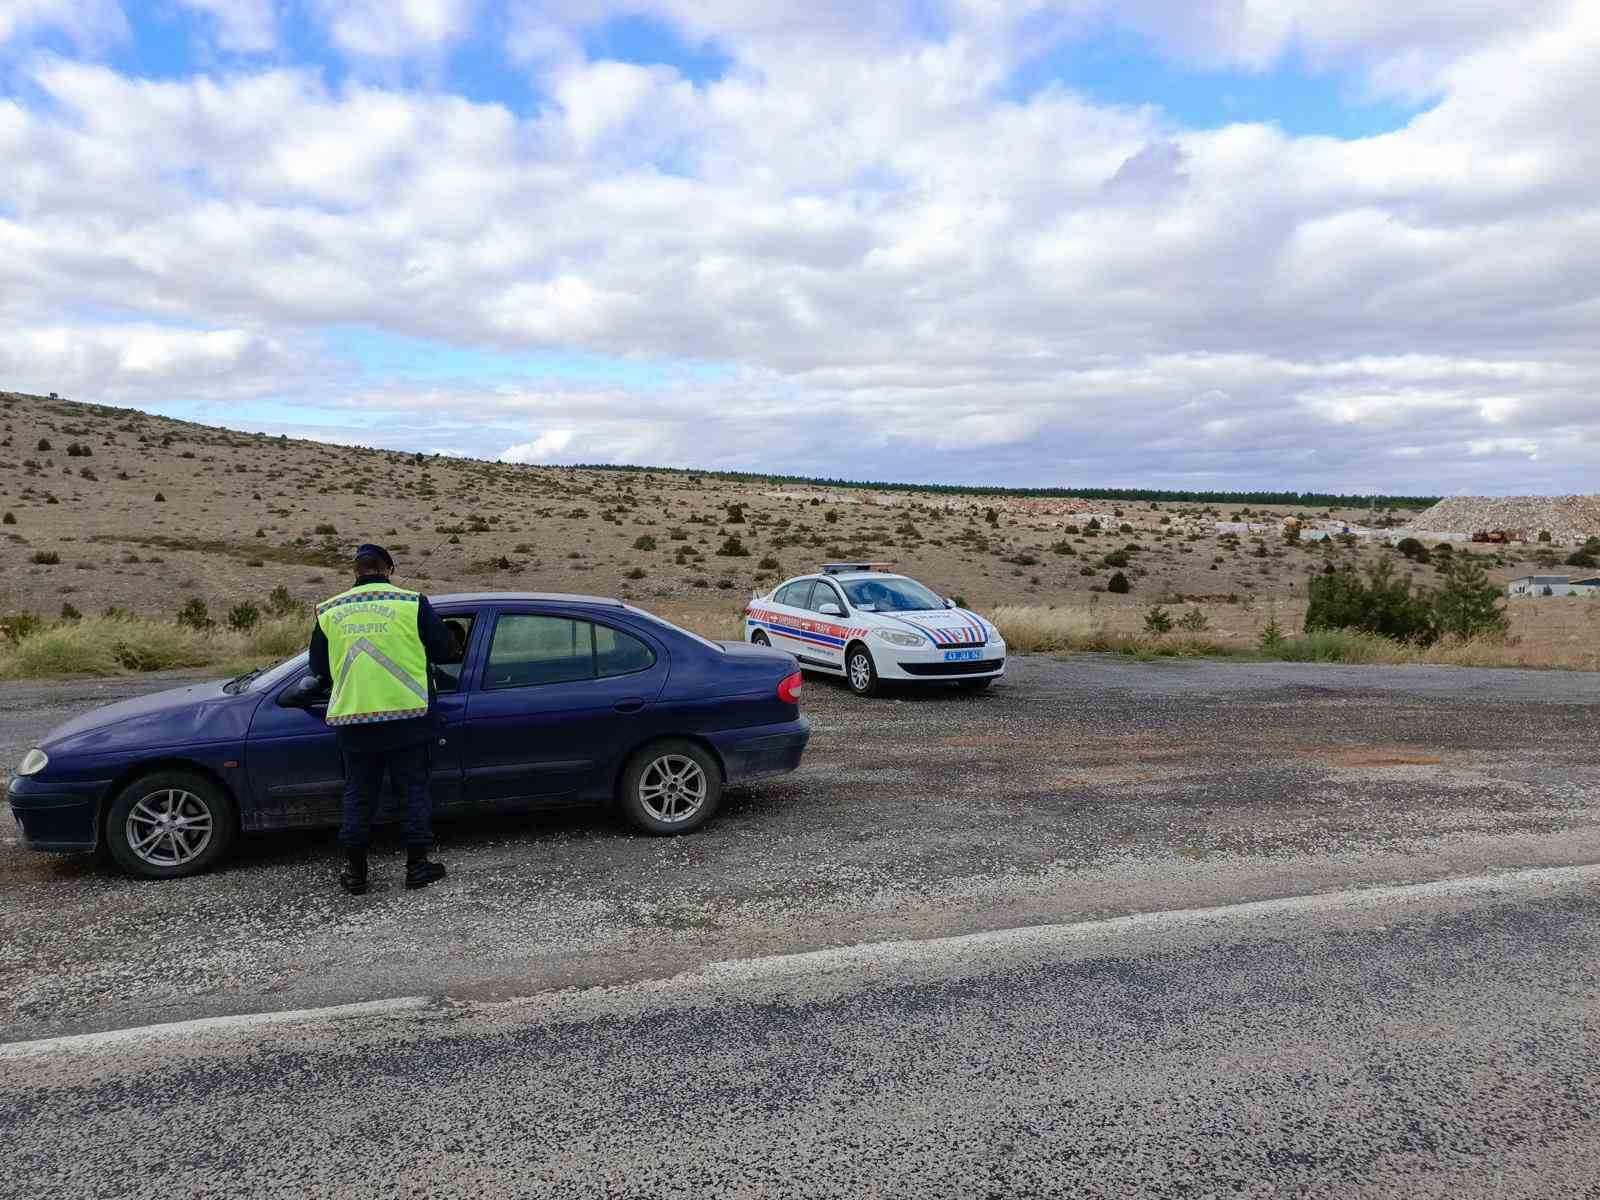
{"x": 688, "y": 633}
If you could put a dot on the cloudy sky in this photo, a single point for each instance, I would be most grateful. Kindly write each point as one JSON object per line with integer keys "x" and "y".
{"x": 1182, "y": 243}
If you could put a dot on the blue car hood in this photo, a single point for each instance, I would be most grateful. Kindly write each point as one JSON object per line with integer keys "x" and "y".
{"x": 201, "y": 712}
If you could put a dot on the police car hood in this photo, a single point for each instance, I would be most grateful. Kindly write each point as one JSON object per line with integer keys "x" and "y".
{"x": 940, "y": 625}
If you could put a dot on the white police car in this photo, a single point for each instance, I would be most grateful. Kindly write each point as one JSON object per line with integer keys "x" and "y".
{"x": 859, "y": 621}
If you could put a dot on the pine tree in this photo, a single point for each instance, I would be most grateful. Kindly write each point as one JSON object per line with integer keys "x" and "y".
{"x": 1468, "y": 604}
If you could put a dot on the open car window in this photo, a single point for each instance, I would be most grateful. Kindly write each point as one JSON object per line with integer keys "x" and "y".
{"x": 447, "y": 675}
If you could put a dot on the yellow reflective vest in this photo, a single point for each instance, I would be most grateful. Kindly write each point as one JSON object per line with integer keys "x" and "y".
{"x": 379, "y": 664}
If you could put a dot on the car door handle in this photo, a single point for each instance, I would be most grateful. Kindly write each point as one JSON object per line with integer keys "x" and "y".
{"x": 631, "y": 704}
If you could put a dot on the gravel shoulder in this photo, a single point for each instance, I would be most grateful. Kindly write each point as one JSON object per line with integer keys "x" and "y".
{"x": 1081, "y": 788}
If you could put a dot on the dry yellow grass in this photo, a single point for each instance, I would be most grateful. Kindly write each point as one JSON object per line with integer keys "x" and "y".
{"x": 120, "y": 645}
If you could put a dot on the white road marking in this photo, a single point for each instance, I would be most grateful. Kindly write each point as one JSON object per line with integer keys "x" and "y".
{"x": 180, "y": 1030}
{"x": 874, "y": 955}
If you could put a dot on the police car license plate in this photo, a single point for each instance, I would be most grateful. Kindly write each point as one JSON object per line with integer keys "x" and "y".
{"x": 961, "y": 655}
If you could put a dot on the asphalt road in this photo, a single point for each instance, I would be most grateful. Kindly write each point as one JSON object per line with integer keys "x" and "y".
{"x": 582, "y": 1010}
{"x": 1428, "y": 1041}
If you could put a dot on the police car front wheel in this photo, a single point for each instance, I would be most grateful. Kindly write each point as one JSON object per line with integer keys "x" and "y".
{"x": 860, "y": 672}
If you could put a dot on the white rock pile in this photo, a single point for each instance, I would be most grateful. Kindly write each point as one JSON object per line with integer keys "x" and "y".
{"x": 1568, "y": 518}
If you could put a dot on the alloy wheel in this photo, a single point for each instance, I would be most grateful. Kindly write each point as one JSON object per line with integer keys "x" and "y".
{"x": 673, "y": 788}
{"x": 169, "y": 827}
{"x": 860, "y": 671}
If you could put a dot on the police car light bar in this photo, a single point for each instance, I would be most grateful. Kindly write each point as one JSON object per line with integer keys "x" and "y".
{"x": 841, "y": 568}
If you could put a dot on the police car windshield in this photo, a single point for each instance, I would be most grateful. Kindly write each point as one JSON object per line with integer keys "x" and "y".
{"x": 891, "y": 594}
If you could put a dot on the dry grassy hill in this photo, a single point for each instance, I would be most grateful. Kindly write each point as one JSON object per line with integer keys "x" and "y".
{"x": 114, "y": 508}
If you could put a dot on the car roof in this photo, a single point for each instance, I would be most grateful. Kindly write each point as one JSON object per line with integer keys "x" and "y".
{"x": 525, "y": 598}
{"x": 855, "y": 575}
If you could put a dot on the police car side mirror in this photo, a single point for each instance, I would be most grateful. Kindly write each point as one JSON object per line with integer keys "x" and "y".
{"x": 829, "y": 609}
{"x": 949, "y": 603}
{"x": 306, "y": 692}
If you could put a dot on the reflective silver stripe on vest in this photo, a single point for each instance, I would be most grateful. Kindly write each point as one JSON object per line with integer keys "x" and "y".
{"x": 364, "y": 646}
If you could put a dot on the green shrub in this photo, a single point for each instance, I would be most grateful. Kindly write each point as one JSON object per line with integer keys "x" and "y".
{"x": 243, "y": 617}
{"x": 280, "y": 603}
{"x": 1381, "y": 604}
{"x": 16, "y": 626}
{"x": 1412, "y": 549}
{"x": 732, "y": 547}
{"x": 768, "y": 563}
{"x": 831, "y": 517}
{"x": 9, "y": 519}
{"x": 1468, "y": 605}
{"x": 1117, "y": 558}
{"x": 1194, "y": 621}
{"x": 1544, "y": 535}
{"x": 1583, "y": 558}
{"x": 644, "y": 542}
{"x": 69, "y": 612}
{"x": 161, "y": 498}
{"x": 1271, "y": 638}
{"x": 194, "y": 614}
{"x": 45, "y": 558}
{"x": 44, "y": 444}
{"x": 325, "y": 528}
{"x": 1119, "y": 584}
{"x": 636, "y": 573}
{"x": 1063, "y": 547}
{"x": 1157, "y": 620}
{"x": 735, "y": 514}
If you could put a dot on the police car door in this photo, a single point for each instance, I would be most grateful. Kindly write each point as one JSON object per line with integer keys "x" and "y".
{"x": 783, "y": 616}
{"x": 825, "y": 625}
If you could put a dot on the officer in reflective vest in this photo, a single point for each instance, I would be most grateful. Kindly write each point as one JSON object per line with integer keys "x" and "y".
{"x": 374, "y": 644}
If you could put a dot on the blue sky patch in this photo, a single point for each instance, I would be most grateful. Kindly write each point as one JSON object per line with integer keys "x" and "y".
{"x": 1115, "y": 67}
{"x": 636, "y": 38}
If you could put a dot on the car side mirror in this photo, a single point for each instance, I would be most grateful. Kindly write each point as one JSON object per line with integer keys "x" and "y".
{"x": 829, "y": 609}
{"x": 949, "y": 603}
{"x": 306, "y": 692}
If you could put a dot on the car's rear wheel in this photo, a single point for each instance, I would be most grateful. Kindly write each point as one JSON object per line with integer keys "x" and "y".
{"x": 860, "y": 672}
{"x": 671, "y": 787}
{"x": 760, "y": 638}
{"x": 169, "y": 824}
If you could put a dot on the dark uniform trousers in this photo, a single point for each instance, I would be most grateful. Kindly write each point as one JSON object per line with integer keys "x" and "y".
{"x": 408, "y": 768}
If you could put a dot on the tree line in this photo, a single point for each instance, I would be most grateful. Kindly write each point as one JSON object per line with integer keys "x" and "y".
{"x": 1158, "y": 495}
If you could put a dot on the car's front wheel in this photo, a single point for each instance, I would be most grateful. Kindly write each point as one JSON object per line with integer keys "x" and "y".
{"x": 169, "y": 824}
{"x": 671, "y": 787}
{"x": 760, "y": 639}
{"x": 860, "y": 672}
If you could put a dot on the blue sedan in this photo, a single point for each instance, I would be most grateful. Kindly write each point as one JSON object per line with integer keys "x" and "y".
{"x": 556, "y": 700}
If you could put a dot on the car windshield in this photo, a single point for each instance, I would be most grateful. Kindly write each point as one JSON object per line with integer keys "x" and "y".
{"x": 891, "y": 593}
{"x": 688, "y": 633}
{"x": 271, "y": 676}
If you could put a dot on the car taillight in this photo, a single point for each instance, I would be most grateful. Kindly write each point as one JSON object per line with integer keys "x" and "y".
{"x": 789, "y": 689}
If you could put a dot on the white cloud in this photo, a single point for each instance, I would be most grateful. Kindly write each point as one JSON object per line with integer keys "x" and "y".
{"x": 543, "y": 448}
{"x": 895, "y": 269}
{"x": 243, "y": 25}
{"x": 394, "y": 28}
{"x": 85, "y": 22}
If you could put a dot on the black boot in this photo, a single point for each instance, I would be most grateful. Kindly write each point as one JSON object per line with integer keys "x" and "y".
{"x": 419, "y": 871}
{"x": 353, "y": 878}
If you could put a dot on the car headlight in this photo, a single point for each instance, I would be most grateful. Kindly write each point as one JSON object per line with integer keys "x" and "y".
{"x": 896, "y": 637}
{"x": 33, "y": 762}
{"x": 994, "y": 635}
